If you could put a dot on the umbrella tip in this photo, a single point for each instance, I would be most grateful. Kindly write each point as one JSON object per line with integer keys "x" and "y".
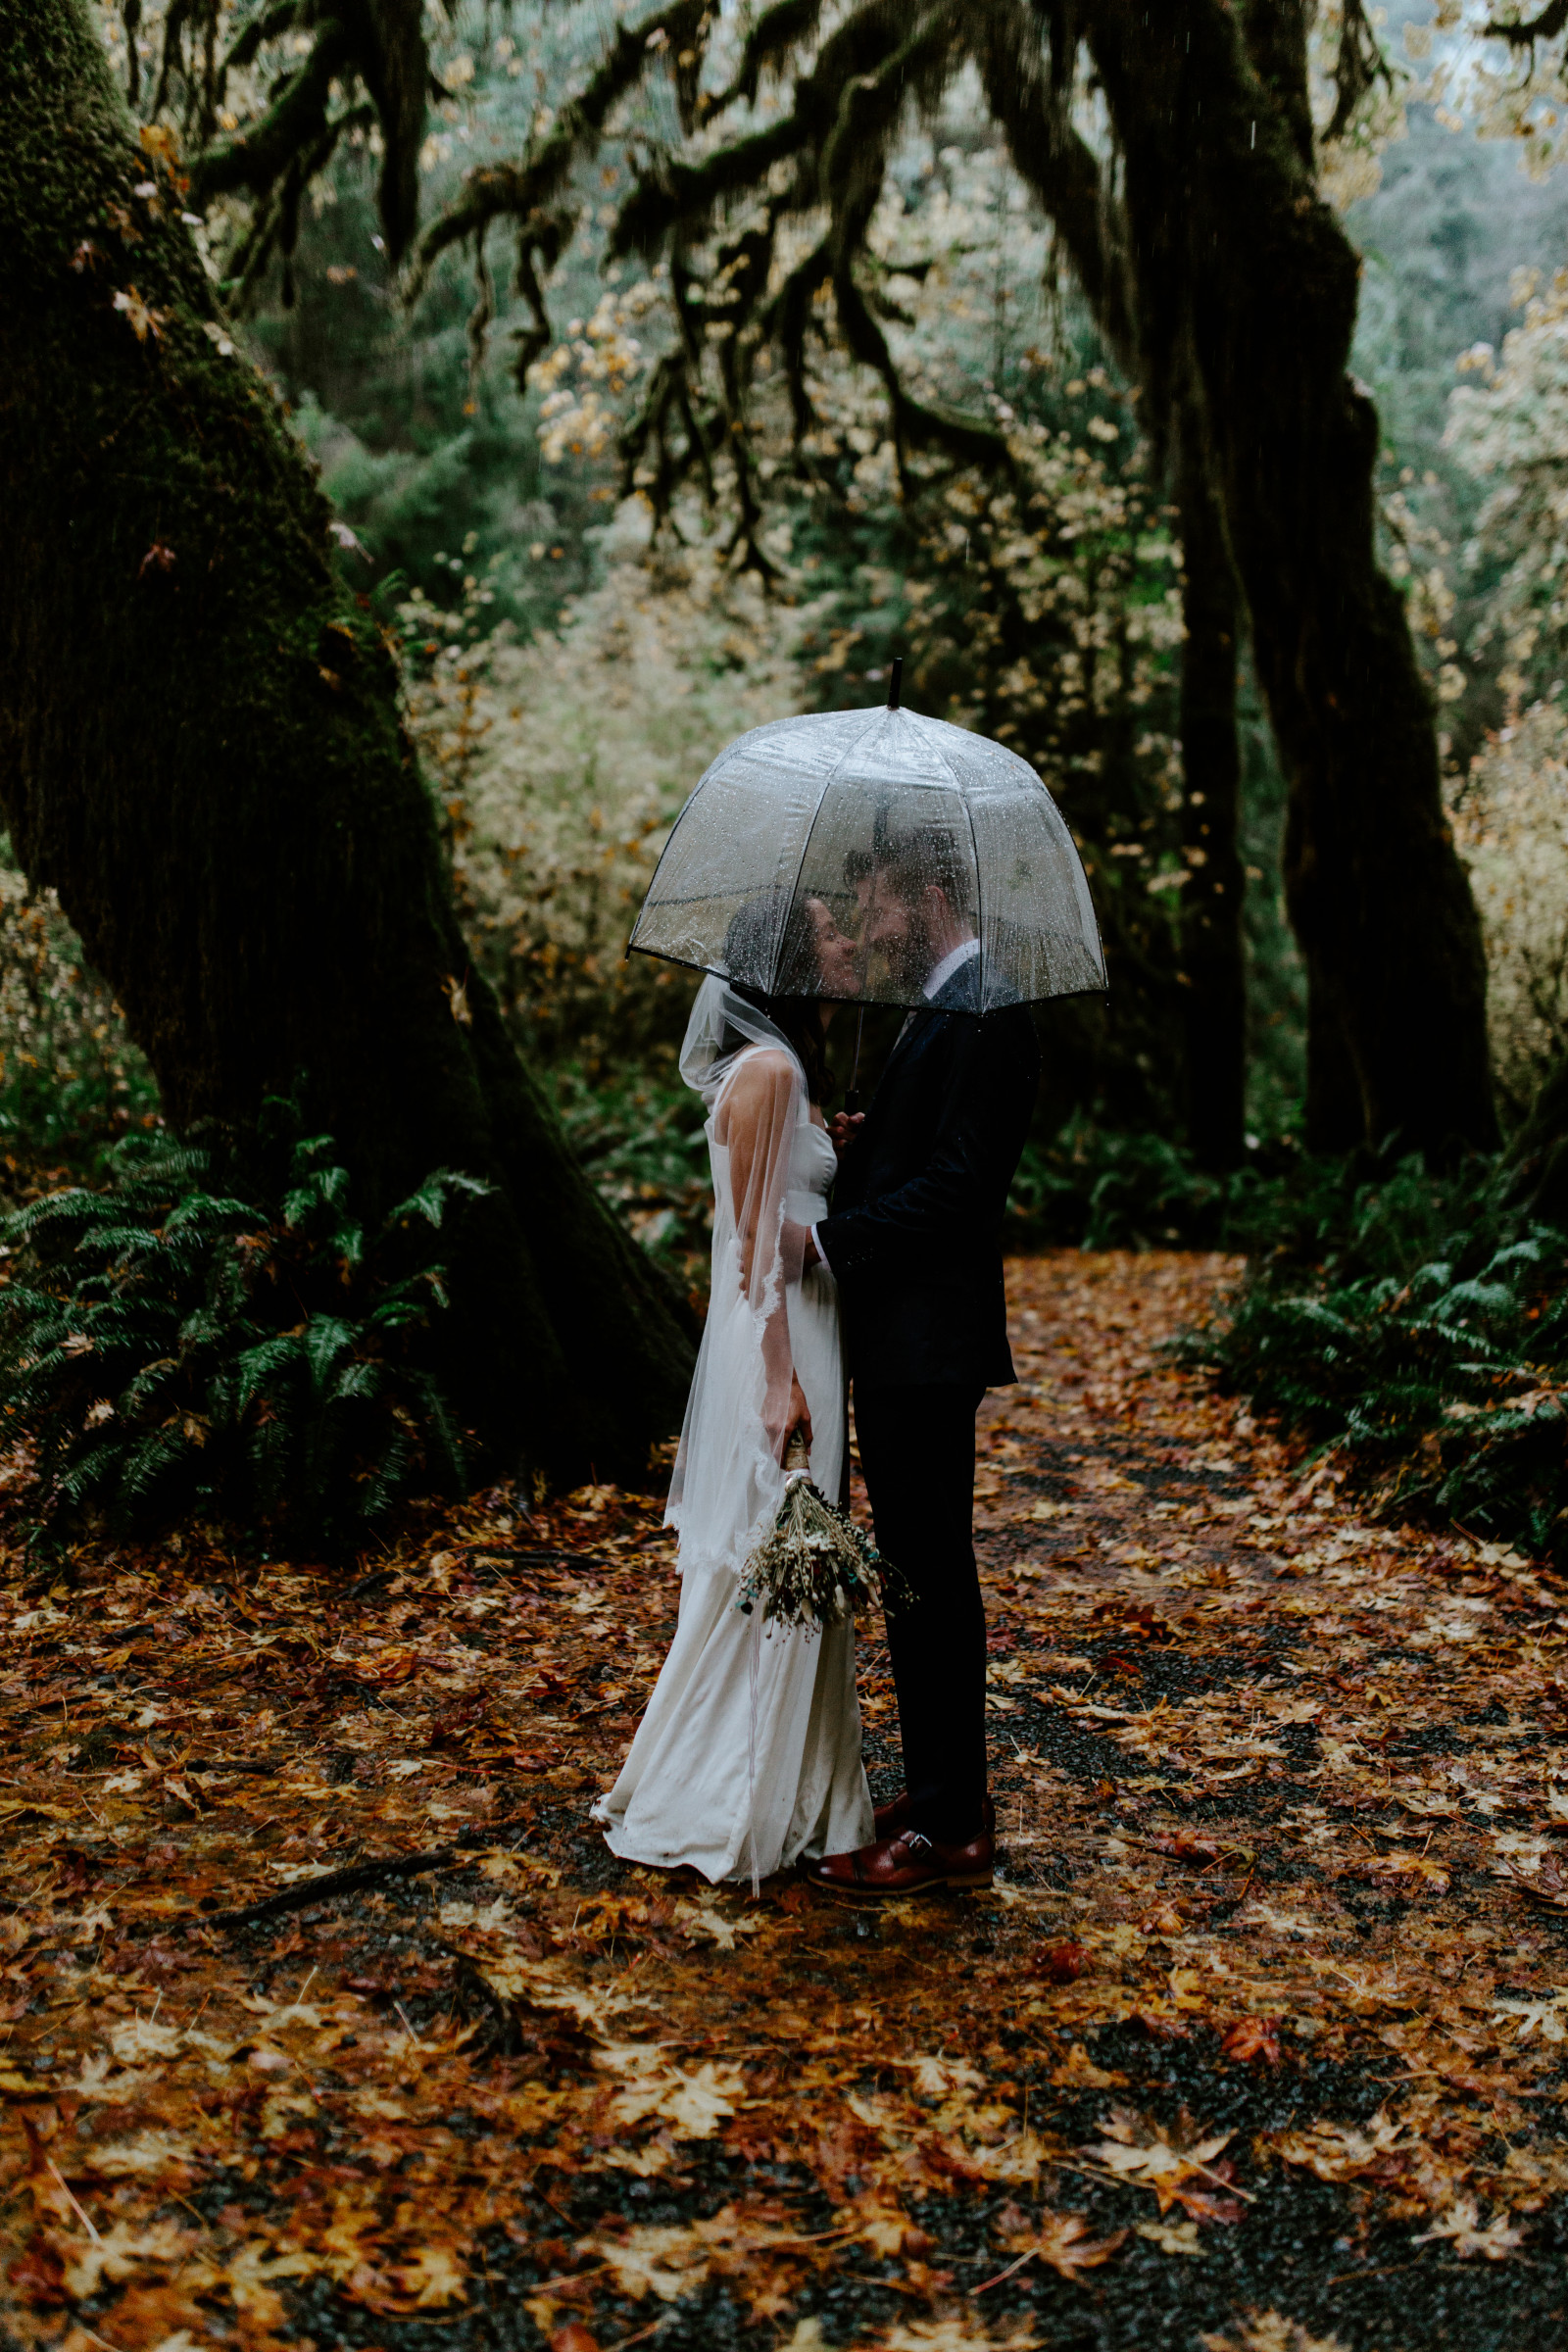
{"x": 895, "y": 681}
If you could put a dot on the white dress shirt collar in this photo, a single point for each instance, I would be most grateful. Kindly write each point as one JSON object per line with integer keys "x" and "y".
{"x": 936, "y": 980}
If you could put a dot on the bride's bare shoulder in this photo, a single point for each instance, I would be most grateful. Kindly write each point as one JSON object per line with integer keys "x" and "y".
{"x": 761, "y": 1067}
{"x": 763, "y": 1083}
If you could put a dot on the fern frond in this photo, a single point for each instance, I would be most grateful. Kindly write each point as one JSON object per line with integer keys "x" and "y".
{"x": 434, "y": 1195}
{"x": 244, "y": 1371}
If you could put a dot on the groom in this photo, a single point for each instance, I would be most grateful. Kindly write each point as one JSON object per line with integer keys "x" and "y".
{"x": 914, "y": 1243}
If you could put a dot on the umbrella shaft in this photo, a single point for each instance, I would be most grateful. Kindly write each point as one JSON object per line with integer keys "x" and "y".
{"x": 851, "y": 1096}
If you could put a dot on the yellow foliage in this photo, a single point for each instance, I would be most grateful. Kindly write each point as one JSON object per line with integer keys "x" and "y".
{"x": 1511, "y": 820}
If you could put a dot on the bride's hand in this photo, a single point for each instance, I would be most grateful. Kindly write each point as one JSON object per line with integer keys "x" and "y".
{"x": 845, "y": 1127}
{"x": 782, "y": 1424}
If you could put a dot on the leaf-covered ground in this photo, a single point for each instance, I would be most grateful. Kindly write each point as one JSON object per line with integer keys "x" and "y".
{"x": 1258, "y": 2045}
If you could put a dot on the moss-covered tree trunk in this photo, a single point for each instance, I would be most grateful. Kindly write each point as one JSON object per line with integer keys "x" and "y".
{"x": 1243, "y": 279}
{"x": 201, "y": 749}
{"x": 1213, "y": 973}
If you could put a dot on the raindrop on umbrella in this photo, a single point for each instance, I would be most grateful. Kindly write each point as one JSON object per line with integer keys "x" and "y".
{"x": 822, "y": 807}
{"x": 851, "y": 810}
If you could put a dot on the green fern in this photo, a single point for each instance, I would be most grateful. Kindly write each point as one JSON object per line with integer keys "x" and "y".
{"x": 1429, "y": 1341}
{"x": 219, "y": 1334}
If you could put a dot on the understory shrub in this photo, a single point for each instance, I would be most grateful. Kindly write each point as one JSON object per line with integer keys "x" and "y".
{"x": 216, "y": 1335}
{"x": 643, "y": 1144}
{"x": 1426, "y": 1336}
{"x": 1096, "y": 1189}
{"x": 71, "y": 1080}
{"x": 562, "y": 765}
{"x": 1102, "y": 1188}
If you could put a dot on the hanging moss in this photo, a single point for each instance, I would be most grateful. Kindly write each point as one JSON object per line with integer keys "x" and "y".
{"x": 201, "y": 749}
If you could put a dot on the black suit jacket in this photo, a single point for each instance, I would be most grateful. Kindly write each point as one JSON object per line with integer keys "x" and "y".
{"x": 914, "y": 1236}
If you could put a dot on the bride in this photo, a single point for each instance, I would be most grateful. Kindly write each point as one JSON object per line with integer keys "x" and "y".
{"x": 749, "y": 1757}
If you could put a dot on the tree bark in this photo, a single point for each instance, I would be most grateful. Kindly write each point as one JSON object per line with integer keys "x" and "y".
{"x": 1246, "y": 276}
{"x": 201, "y": 749}
{"x": 1538, "y": 1151}
{"x": 1213, "y": 961}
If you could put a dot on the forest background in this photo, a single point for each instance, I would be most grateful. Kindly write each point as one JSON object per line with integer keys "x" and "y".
{"x": 592, "y": 584}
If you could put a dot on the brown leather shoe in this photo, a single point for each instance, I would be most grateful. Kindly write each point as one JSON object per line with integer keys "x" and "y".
{"x": 894, "y": 1816}
{"x": 908, "y": 1864}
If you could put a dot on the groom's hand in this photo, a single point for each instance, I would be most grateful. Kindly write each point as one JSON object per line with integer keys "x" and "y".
{"x": 799, "y": 1248}
{"x": 845, "y": 1127}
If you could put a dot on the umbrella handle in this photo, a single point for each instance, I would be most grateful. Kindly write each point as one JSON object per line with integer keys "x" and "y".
{"x": 851, "y": 1093}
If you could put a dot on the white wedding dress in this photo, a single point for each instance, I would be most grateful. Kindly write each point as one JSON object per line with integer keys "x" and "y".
{"x": 749, "y": 1757}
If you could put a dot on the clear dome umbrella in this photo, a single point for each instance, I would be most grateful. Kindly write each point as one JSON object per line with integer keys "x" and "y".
{"x": 832, "y": 807}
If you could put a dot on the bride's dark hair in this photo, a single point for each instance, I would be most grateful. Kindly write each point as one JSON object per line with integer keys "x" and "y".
{"x": 765, "y": 937}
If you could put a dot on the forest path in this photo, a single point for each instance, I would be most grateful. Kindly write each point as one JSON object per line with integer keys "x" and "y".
{"x": 1258, "y": 2044}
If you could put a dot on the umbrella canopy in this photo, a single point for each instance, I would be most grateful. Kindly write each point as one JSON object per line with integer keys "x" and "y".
{"x": 824, "y": 811}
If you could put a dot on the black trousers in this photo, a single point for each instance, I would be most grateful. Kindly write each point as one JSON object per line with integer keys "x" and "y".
{"x": 918, "y": 1454}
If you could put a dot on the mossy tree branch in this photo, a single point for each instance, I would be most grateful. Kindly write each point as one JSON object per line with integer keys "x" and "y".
{"x": 770, "y": 44}
{"x": 854, "y": 168}
{"x": 377, "y": 43}
{"x": 530, "y": 192}
{"x": 256, "y": 158}
{"x": 1521, "y": 31}
{"x": 1359, "y": 63}
{"x": 1033, "y": 110}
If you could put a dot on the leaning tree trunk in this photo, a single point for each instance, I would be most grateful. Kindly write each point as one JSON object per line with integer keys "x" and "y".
{"x": 201, "y": 749}
{"x": 1241, "y": 272}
